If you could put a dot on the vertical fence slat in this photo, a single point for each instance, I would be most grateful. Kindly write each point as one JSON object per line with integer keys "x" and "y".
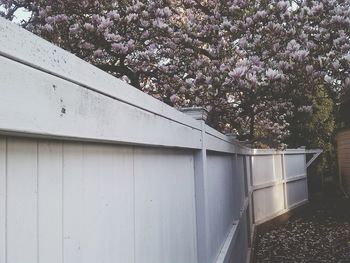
{"x": 50, "y": 201}
{"x": 22, "y": 201}
{"x": 107, "y": 204}
{"x": 164, "y": 206}
{"x": 285, "y": 196}
{"x": 3, "y": 193}
{"x": 72, "y": 202}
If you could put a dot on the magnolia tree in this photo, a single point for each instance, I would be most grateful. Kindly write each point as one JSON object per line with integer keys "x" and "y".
{"x": 264, "y": 60}
{"x": 253, "y": 64}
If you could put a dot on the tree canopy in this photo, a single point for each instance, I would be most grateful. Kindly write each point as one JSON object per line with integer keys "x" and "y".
{"x": 255, "y": 65}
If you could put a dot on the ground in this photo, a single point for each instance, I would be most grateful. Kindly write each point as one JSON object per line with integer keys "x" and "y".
{"x": 319, "y": 232}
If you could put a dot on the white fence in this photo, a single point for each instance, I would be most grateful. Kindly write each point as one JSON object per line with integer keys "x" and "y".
{"x": 279, "y": 183}
{"x": 92, "y": 170}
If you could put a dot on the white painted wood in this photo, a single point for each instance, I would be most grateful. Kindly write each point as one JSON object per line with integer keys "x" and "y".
{"x": 281, "y": 212}
{"x": 210, "y": 131}
{"x": 73, "y": 191}
{"x": 239, "y": 183}
{"x": 98, "y": 204}
{"x": 3, "y": 201}
{"x": 50, "y": 194}
{"x": 21, "y": 45}
{"x": 297, "y": 178}
{"x": 278, "y": 169}
{"x": 296, "y": 192}
{"x": 216, "y": 141}
{"x": 87, "y": 221}
{"x": 221, "y": 201}
{"x": 268, "y": 201}
{"x": 283, "y": 159}
{"x": 234, "y": 238}
{"x": 75, "y": 112}
{"x": 165, "y": 225}
{"x": 240, "y": 249}
{"x": 250, "y": 215}
{"x": 22, "y": 214}
{"x": 314, "y": 157}
{"x": 219, "y": 142}
{"x": 274, "y": 152}
{"x": 248, "y": 174}
{"x": 108, "y": 204}
{"x": 263, "y": 169}
{"x": 226, "y": 250}
{"x": 271, "y": 180}
{"x": 218, "y": 145}
{"x": 295, "y": 165}
{"x": 201, "y": 200}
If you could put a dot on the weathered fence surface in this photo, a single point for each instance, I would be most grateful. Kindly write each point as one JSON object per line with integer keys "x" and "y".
{"x": 93, "y": 170}
{"x": 343, "y": 154}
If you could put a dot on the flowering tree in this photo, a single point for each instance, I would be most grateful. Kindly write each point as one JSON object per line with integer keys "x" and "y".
{"x": 120, "y": 37}
{"x": 253, "y": 64}
{"x": 266, "y": 60}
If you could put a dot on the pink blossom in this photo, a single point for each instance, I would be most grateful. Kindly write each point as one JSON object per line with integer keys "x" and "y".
{"x": 272, "y": 74}
{"x": 116, "y": 47}
{"x": 309, "y": 69}
{"x": 48, "y": 27}
{"x": 336, "y": 65}
{"x": 87, "y": 46}
{"x": 174, "y": 98}
{"x": 88, "y": 26}
{"x": 283, "y": 5}
{"x": 238, "y": 72}
{"x": 74, "y": 29}
{"x": 300, "y": 55}
{"x": 293, "y": 46}
{"x": 131, "y": 17}
{"x": 307, "y": 109}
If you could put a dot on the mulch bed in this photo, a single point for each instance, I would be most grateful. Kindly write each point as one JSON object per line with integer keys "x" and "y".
{"x": 320, "y": 232}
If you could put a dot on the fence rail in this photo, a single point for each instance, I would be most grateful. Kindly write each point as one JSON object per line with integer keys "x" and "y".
{"x": 93, "y": 170}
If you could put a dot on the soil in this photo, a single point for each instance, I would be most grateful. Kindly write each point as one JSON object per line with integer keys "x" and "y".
{"x": 319, "y": 232}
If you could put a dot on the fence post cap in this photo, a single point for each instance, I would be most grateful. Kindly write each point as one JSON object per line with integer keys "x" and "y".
{"x": 198, "y": 113}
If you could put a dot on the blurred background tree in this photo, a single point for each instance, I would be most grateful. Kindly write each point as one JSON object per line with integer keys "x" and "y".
{"x": 317, "y": 129}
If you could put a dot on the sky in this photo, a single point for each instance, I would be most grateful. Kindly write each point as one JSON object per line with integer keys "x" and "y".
{"x": 21, "y": 14}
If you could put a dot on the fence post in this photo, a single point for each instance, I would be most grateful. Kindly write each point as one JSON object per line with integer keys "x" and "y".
{"x": 284, "y": 180}
{"x": 200, "y": 177}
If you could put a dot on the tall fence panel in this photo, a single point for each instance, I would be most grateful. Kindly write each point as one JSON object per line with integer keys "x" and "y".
{"x": 86, "y": 202}
{"x": 222, "y": 204}
{"x": 279, "y": 182}
{"x": 92, "y": 170}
